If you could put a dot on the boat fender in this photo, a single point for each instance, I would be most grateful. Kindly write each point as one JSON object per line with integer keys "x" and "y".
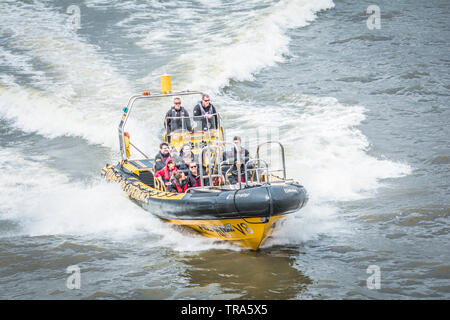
{"x": 127, "y": 143}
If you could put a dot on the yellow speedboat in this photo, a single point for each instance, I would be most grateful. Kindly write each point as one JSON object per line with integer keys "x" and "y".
{"x": 245, "y": 212}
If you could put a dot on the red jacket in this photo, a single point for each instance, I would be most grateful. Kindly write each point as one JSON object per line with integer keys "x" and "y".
{"x": 180, "y": 187}
{"x": 166, "y": 173}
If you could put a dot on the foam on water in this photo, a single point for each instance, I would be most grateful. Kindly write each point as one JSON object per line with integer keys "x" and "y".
{"x": 43, "y": 201}
{"x": 74, "y": 91}
{"x": 331, "y": 153}
{"x": 74, "y": 68}
{"x": 219, "y": 48}
{"x": 325, "y": 150}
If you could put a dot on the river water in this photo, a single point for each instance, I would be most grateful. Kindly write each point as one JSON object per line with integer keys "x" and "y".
{"x": 363, "y": 113}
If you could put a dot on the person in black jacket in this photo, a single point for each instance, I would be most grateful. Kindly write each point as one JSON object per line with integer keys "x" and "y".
{"x": 232, "y": 156}
{"x": 205, "y": 114}
{"x": 179, "y": 183}
{"x": 193, "y": 177}
{"x": 175, "y": 117}
{"x": 162, "y": 156}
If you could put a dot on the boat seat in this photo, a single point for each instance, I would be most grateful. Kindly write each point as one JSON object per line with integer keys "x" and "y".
{"x": 143, "y": 170}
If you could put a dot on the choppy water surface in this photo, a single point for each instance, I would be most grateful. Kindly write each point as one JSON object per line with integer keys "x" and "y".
{"x": 364, "y": 115}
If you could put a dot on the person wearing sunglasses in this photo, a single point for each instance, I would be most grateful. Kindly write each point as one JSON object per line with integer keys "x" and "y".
{"x": 205, "y": 114}
{"x": 175, "y": 117}
{"x": 193, "y": 177}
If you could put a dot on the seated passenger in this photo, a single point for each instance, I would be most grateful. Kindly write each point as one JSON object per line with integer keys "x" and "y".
{"x": 186, "y": 151}
{"x": 164, "y": 175}
{"x": 193, "y": 177}
{"x": 185, "y": 158}
{"x": 231, "y": 155}
{"x": 184, "y": 164}
{"x": 162, "y": 156}
{"x": 174, "y": 120}
{"x": 179, "y": 183}
{"x": 205, "y": 114}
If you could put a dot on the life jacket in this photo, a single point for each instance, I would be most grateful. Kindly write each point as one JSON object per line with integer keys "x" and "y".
{"x": 182, "y": 112}
{"x": 202, "y": 110}
{"x": 161, "y": 161}
{"x": 243, "y": 154}
{"x": 179, "y": 188}
{"x": 196, "y": 180}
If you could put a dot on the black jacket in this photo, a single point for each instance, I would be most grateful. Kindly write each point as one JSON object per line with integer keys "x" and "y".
{"x": 232, "y": 157}
{"x": 204, "y": 122}
{"x": 193, "y": 181}
{"x": 160, "y": 161}
{"x": 172, "y": 187}
{"x": 177, "y": 124}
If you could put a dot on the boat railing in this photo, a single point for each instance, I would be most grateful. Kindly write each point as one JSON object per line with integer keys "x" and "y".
{"x": 181, "y": 130}
{"x": 283, "y": 160}
{"x": 254, "y": 166}
{"x": 182, "y": 123}
{"x": 127, "y": 111}
{"x": 158, "y": 184}
{"x": 214, "y": 153}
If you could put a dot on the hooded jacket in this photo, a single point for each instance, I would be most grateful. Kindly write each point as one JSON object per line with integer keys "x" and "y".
{"x": 166, "y": 173}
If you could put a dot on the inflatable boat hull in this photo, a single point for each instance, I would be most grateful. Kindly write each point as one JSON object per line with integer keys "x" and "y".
{"x": 246, "y": 216}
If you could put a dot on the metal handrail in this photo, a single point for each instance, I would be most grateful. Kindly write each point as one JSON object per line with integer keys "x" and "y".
{"x": 128, "y": 108}
{"x": 139, "y": 150}
{"x": 282, "y": 156}
{"x": 184, "y": 130}
{"x": 158, "y": 185}
{"x": 193, "y": 118}
{"x": 256, "y": 170}
{"x": 218, "y": 147}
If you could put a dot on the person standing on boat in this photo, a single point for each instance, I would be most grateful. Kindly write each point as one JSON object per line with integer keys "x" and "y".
{"x": 162, "y": 156}
{"x": 179, "y": 183}
{"x": 205, "y": 114}
{"x": 175, "y": 118}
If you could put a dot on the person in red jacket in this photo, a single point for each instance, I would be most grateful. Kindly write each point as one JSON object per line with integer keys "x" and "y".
{"x": 164, "y": 175}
